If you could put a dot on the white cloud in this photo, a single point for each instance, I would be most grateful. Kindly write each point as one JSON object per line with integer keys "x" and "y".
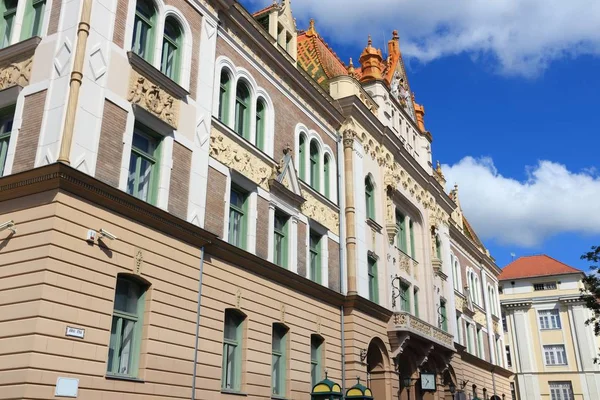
{"x": 523, "y": 36}
{"x": 551, "y": 201}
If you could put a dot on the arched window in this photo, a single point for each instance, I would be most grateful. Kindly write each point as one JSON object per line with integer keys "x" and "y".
{"x": 370, "y": 197}
{"x": 326, "y": 177}
{"x": 8, "y": 8}
{"x": 261, "y": 121}
{"x": 456, "y": 270}
{"x": 224, "y": 93}
{"x": 302, "y": 157}
{"x": 242, "y": 109}
{"x": 171, "y": 49}
{"x": 314, "y": 165}
{"x": 143, "y": 29}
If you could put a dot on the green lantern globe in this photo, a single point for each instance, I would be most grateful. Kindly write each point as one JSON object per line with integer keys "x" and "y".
{"x": 326, "y": 390}
{"x": 359, "y": 392}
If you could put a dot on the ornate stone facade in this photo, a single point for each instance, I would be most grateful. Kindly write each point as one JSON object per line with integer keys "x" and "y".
{"x": 16, "y": 73}
{"x": 324, "y": 215}
{"x": 149, "y": 96}
{"x": 402, "y": 321}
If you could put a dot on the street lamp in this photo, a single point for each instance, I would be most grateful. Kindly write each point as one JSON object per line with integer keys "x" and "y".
{"x": 452, "y": 388}
{"x": 406, "y": 384}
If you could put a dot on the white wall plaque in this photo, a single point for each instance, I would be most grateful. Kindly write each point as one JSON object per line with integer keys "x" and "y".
{"x": 66, "y": 387}
{"x": 75, "y": 332}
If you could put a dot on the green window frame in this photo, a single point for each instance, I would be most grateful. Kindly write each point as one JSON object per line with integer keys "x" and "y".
{"x": 469, "y": 337}
{"x": 316, "y": 359}
{"x": 326, "y": 177}
{"x": 416, "y": 300}
{"x": 126, "y": 328}
{"x": 33, "y": 19}
{"x": 280, "y": 240}
{"x": 231, "y": 370}
{"x": 411, "y": 231}
{"x": 8, "y": 8}
{"x": 170, "y": 63}
{"x": 479, "y": 335}
{"x": 302, "y": 157}
{"x": 404, "y": 297}
{"x": 401, "y": 235}
{"x": 370, "y": 198}
{"x": 238, "y": 217}
{"x": 142, "y": 42}
{"x": 443, "y": 316}
{"x": 224, "y": 95}
{"x": 315, "y": 256}
{"x": 242, "y": 110}
{"x": 315, "y": 165}
{"x": 279, "y": 360}
{"x": 6, "y": 123}
{"x": 261, "y": 121}
{"x": 373, "y": 280}
{"x": 142, "y": 181}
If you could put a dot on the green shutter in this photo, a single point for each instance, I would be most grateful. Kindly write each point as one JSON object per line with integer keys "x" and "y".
{"x": 260, "y": 124}
{"x": 412, "y": 240}
{"x": 224, "y": 93}
{"x": 416, "y": 297}
{"x": 302, "y": 157}
{"x": 326, "y": 177}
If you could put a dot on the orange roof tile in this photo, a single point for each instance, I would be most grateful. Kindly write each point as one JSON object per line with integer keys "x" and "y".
{"x": 534, "y": 266}
{"x": 264, "y": 10}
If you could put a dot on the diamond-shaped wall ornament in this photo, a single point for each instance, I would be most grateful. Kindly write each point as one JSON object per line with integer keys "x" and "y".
{"x": 97, "y": 63}
{"x": 210, "y": 30}
{"x": 62, "y": 57}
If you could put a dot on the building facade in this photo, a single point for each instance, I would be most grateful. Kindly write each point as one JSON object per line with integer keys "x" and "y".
{"x": 205, "y": 203}
{"x": 549, "y": 347}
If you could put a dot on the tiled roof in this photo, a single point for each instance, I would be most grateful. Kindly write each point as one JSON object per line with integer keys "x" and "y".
{"x": 318, "y": 59}
{"x": 264, "y": 10}
{"x": 534, "y": 266}
{"x": 470, "y": 233}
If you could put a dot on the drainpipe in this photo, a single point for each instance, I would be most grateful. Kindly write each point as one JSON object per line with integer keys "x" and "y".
{"x": 83, "y": 32}
{"x": 350, "y": 210}
{"x": 198, "y": 323}
{"x": 494, "y": 380}
{"x": 342, "y": 256}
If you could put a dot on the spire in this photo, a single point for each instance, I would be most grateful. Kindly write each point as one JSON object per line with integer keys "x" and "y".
{"x": 439, "y": 175}
{"x": 394, "y": 46}
{"x": 311, "y": 28}
{"x": 371, "y": 62}
{"x": 351, "y": 71}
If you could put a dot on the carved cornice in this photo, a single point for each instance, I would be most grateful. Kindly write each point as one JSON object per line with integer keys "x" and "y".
{"x": 20, "y": 50}
{"x": 402, "y": 321}
{"x": 15, "y": 63}
{"x": 518, "y": 304}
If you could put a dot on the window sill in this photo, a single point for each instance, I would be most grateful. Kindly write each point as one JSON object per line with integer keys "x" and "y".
{"x": 374, "y": 225}
{"x": 234, "y": 392}
{"x": 550, "y": 329}
{"x": 123, "y": 378}
{"x": 276, "y": 397}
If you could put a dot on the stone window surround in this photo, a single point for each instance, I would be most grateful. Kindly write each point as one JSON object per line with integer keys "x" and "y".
{"x": 20, "y": 14}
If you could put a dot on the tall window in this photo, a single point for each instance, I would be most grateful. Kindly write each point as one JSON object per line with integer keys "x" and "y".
{"x": 316, "y": 359}
{"x": 281, "y": 240}
{"x": 171, "y": 49}
{"x": 456, "y": 274}
{"x": 555, "y": 355}
{"x": 470, "y": 338}
{"x": 326, "y": 177}
{"x": 544, "y": 286}
{"x": 242, "y": 108}
{"x": 224, "y": 92}
{"x": 9, "y": 10}
{"x": 459, "y": 334}
{"x": 438, "y": 247}
{"x": 443, "y": 316}
{"x": 373, "y": 280}
{"x": 302, "y": 157}
{"x": 143, "y": 167}
{"x": 513, "y": 391}
{"x": 279, "y": 363}
{"x": 126, "y": 329}
{"x": 315, "y": 256}
{"x": 404, "y": 297}
{"x": 480, "y": 352}
{"x": 504, "y": 324}
{"x": 508, "y": 356}
{"x": 401, "y": 226}
{"x": 416, "y": 297}
{"x": 232, "y": 351}
{"x": 6, "y": 122}
{"x": 33, "y": 18}
{"x": 261, "y": 121}
{"x": 314, "y": 165}
{"x": 561, "y": 391}
{"x": 411, "y": 230}
{"x": 370, "y": 197}
{"x": 549, "y": 319}
{"x": 143, "y": 29}
{"x": 238, "y": 217}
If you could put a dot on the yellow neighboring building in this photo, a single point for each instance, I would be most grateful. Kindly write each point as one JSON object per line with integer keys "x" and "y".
{"x": 547, "y": 343}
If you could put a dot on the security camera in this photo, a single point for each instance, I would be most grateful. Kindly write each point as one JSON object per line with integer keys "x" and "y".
{"x": 106, "y": 234}
{"x": 8, "y": 225}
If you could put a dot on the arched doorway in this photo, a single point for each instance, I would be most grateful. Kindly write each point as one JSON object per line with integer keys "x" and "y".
{"x": 378, "y": 370}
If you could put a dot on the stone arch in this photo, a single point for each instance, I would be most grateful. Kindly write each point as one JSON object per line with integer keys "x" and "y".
{"x": 378, "y": 369}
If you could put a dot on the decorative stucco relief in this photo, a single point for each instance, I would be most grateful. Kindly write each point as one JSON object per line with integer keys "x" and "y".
{"x": 15, "y": 73}
{"x": 480, "y": 318}
{"x": 152, "y": 98}
{"x": 324, "y": 215}
{"x": 235, "y": 157}
{"x": 459, "y": 303}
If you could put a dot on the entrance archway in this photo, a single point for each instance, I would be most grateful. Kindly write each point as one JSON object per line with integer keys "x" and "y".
{"x": 377, "y": 368}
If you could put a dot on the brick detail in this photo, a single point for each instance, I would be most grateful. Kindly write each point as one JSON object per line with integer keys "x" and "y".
{"x": 215, "y": 207}
{"x": 180, "y": 180}
{"x": 334, "y": 266}
{"x": 110, "y": 148}
{"x": 120, "y": 21}
{"x": 301, "y": 248}
{"x": 262, "y": 228}
{"x": 29, "y": 134}
{"x": 54, "y": 16}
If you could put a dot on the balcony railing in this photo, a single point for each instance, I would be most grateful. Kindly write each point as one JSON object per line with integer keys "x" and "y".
{"x": 402, "y": 321}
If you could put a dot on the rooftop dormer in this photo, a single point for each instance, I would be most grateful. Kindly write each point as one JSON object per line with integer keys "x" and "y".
{"x": 277, "y": 19}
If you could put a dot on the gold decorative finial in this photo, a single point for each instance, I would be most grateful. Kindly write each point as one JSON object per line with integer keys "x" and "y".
{"x": 311, "y": 27}
{"x": 370, "y": 41}
{"x": 351, "y": 69}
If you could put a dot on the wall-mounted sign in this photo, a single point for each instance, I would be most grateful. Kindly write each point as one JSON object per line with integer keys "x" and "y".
{"x": 66, "y": 387}
{"x": 75, "y": 332}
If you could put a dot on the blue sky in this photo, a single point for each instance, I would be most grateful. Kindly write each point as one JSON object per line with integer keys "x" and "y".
{"x": 511, "y": 98}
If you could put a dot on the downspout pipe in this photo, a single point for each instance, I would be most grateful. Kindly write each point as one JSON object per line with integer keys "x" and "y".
{"x": 194, "y": 373}
{"x": 83, "y": 32}
{"x": 342, "y": 258}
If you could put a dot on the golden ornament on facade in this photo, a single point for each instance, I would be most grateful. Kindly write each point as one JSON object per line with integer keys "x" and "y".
{"x": 321, "y": 213}
{"x": 15, "y": 74}
{"x": 152, "y": 98}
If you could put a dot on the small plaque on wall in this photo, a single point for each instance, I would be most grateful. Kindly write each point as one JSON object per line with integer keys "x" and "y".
{"x": 66, "y": 387}
{"x": 75, "y": 332}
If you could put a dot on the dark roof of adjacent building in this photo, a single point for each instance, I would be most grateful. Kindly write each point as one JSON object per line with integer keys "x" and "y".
{"x": 535, "y": 266}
